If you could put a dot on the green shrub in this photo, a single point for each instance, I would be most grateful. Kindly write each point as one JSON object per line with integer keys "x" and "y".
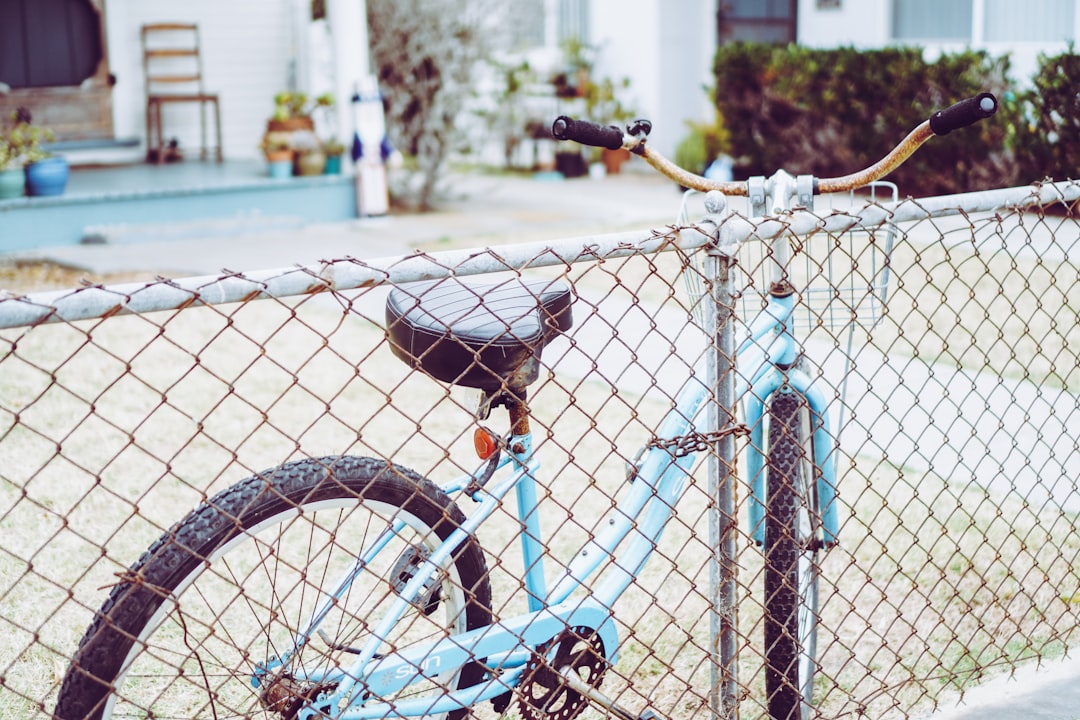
{"x": 703, "y": 143}
{"x": 832, "y": 112}
{"x": 1047, "y": 134}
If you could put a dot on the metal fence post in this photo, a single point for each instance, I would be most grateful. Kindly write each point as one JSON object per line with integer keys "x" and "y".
{"x": 723, "y": 618}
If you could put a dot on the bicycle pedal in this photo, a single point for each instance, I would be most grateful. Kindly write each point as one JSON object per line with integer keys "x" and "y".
{"x": 404, "y": 570}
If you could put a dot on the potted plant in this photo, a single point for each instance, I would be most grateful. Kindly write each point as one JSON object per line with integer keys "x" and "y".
{"x": 295, "y": 111}
{"x": 310, "y": 161}
{"x": 602, "y": 105}
{"x": 294, "y": 119}
{"x": 702, "y": 144}
{"x": 334, "y": 149}
{"x": 578, "y": 60}
{"x": 308, "y": 156}
{"x": 46, "y": 174}
{"x": 279, "y": 154}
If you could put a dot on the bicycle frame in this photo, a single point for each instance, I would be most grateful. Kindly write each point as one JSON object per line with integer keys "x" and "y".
{"x": 630, "y": 533}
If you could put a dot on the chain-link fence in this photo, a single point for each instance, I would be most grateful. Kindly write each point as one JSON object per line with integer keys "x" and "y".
{"x": 942, "y": 334}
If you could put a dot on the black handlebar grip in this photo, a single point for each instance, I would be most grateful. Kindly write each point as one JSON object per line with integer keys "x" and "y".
{"x": 587, "y": 133}
{"x": 964, "y": 113}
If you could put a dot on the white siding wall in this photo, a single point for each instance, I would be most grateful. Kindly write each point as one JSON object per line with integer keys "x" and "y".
{"x": 868, "y": 24}
{"x": 247, "y": 45}
{"x": 859, "y": 23}
{"x": 687, "y": 50}
{"x": 666, "y": 49}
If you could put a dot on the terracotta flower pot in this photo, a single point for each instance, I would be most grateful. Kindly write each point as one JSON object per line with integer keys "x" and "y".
{"x": 290, "y": 124}
{"x": 614, "y": 159}
{"x": 279, "y": 155}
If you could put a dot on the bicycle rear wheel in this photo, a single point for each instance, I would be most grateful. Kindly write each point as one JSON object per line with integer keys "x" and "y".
{"x": 227, "y": 590}
{"x": 792, "y": 547}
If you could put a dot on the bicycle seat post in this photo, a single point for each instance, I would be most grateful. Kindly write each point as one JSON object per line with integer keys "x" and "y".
{"x": 518, "y": 408}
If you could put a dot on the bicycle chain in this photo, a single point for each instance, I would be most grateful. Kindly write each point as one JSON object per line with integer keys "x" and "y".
{"x": 683, "y": 445}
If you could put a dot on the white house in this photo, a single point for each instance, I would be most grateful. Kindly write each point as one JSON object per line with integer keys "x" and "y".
{"x": 254, "y": 48}
{"x": 666, "y": 46}
{"x": 251, "y": 49}
{"x": 1022, "y": 29}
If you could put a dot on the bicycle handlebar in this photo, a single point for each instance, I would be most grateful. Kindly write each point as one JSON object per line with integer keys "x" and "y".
{"x": 587, "y": 133}
{"x": 964, "y": 113}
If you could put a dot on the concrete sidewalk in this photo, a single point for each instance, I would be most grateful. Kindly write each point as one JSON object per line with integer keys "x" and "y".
{"x": 481, "y": 210}
{"x": 1050, "y": 691}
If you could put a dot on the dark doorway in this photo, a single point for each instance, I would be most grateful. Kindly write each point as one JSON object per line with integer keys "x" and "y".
{"x": 53, "y": 60}
{"x": 48, "y": 43}
{"x": 770, "y": 21}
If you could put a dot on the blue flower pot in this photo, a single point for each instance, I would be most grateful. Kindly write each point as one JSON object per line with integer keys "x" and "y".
{"x": 281, "y": 169}
{"x": 47, "y": 177}
{"x": 333, "y": 165}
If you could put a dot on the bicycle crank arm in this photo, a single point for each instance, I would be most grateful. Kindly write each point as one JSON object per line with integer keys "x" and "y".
{"x": 599, "y": 699}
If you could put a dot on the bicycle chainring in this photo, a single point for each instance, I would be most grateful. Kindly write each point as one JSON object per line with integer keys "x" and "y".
{"x": 543, "y": 695}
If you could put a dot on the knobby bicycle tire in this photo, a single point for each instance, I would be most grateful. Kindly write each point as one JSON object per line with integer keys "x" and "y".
{"x": 791, "y": 559}
{"x": 179, "y": 636}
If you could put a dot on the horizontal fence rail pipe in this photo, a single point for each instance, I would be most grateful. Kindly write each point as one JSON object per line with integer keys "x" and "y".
{"x": 340, "y": 275}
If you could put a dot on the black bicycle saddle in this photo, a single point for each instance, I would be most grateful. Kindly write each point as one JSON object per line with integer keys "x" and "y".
{"x": 480, "y": 335}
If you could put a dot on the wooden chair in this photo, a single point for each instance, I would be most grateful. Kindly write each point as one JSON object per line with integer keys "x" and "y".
{"x": 172, "y": 65}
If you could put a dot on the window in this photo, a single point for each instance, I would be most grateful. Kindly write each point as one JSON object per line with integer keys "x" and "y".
{"x": 1043, "y": 21}
{"x": 536, "y": 23}
{"x": 573, "y": 21}
{"x": 1002, "y": 20}
{"x": 525, "y": 22}
{"x": 757, "y": 20}
{"x": 932, "y": 20}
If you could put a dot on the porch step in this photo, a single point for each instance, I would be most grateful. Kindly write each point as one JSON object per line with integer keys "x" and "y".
{"x": 61, "y": 146}
{"x": 136, "y": 202}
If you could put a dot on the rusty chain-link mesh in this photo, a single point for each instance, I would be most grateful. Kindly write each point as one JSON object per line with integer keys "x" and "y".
{"x": 957, "y": 469}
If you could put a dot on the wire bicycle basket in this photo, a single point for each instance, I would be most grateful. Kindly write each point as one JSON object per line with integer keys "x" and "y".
{"x": 842, "y": 280}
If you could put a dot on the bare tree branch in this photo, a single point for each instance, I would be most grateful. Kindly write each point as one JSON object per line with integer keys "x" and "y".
{"x": 426, "y": 54}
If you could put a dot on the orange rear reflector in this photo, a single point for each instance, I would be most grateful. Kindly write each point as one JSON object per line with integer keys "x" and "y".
{"x": 484, "y": 442}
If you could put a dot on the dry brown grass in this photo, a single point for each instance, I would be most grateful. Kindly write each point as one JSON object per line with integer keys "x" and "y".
{"x": 25, "y": 276}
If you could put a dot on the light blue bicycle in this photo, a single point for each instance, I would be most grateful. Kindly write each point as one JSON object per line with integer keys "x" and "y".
{"x": 347, "y": 587}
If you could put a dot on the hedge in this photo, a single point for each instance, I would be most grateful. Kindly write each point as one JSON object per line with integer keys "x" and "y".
{"x": 831, "y": 112}
{"x": 1047, "y": 136}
